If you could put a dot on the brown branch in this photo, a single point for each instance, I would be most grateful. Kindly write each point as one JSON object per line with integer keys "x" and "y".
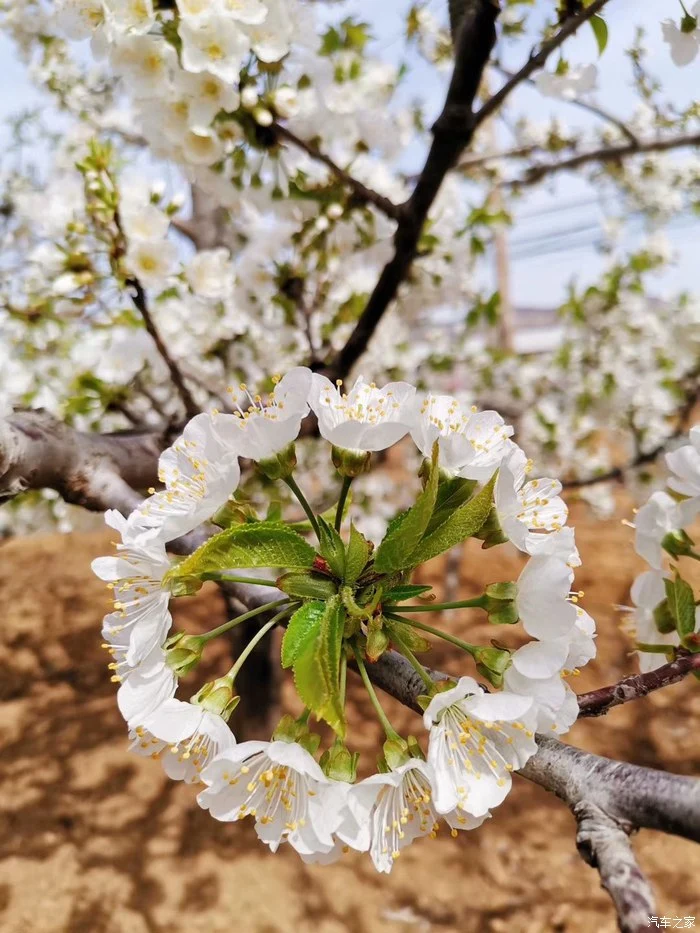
{"x": 138, "y": 296}
{"x": 96, "y": 471}
{"x": 584, "y": 105}
{"x": 538, "y": 59}
{"x": 598, "y": 702}
{"x": 606, "y": 154}
{"x": 452, "y": 133}
{"x": 363, "y": 193}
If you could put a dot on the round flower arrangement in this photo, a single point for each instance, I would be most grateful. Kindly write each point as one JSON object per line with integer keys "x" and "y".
{"x": 344, "y": 600}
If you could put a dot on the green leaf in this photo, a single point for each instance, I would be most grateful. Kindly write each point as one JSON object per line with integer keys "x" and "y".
{"x": 332, "y": 547}
{"x": 452, "y": 493}
{"x": 356, "y": 556}
{"x": 262, "y": 544}
{"x": 600, "y": 31}
{"x": 463, "y": 523}
{"x": 317, "y": 667}
{"x": 404, "y": 591}
{"x": 394, "y": 553}
{"x": 305, "y": 584}
{"x": 405, "y": 636}
{"x": 302, "y": 631}
{"x": 681, "y": 602}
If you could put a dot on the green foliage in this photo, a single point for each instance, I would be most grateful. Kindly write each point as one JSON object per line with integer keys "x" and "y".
{"x": 302, "y": 631}
{"x": 681, "y": 604}
{"x": 260, "y": 544}
{"x": 600, "y": 31}
{"x": 317, "y": 667}
{"x": 403, "y": 591}
{"x": 307, "y": 585}
{"x": 458, "y": 525}
{"x": 356, "y": 556}
{"x": 332, "y": 547}
{"x": 400, "y": 541}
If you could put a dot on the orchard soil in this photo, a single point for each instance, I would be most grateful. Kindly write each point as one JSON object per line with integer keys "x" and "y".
{"x": 96, "y": 840}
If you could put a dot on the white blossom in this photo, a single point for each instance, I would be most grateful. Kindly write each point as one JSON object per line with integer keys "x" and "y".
{"x": 476, "y": 741}
{"x": 544, "y": 587}
{"x": 282, "y": 787}
{"x": 525, "y": 510}
{"x": 366, "y": 418}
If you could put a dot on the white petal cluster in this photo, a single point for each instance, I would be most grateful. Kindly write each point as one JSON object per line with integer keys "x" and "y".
{"x": 660, "y": 532}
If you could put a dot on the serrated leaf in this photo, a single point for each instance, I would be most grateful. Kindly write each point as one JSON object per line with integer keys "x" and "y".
{"x": 305, "y": 584}
{"x": 462, "y": 524}
{"x": 404, "y": 591}
{"x": 302, "y": 630}
{"x": 394, "y": 553}
{"x": 600, "y": 31}
{"x": 452, "y": 494}
{"x": 356, "y": 556}
{"x": 262, "y": 544}
{"x": 317, "y": 668}
{"x": 332, "y": 547}
{"x": 681, "y": 602}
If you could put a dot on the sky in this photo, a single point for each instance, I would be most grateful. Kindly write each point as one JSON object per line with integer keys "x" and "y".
{"x": 567, "y": 207}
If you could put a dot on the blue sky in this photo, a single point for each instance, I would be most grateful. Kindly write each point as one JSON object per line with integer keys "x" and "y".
{"x": 547, "y": 211}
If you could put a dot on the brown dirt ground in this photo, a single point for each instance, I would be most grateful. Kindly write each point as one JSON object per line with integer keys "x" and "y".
{"x": 94, "y": 840}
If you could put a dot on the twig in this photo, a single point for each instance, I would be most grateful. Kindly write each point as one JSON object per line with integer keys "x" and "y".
{"x": 361, "y": 191}
{"x": 452, "y": 132}
{"x": 138, "y": 296}
{"x": 598, "y": 702}
{"x": 584, "y": 105}
{"x": 606, "y": 154}
{"x": 538, "y": 59}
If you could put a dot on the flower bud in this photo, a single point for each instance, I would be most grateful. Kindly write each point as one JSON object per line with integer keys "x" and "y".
{"x": 218, "y": 697}
{"x": 377, "y": 639}
{"x": 183, "y": 652}
{"x": 339, "y": 763}
{"x": 350, "y": 462}
{"x": 249, "y": 97}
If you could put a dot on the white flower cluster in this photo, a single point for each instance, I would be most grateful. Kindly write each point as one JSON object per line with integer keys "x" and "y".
{"x": 476, "y": 738}
{"x": 661, "y": 540}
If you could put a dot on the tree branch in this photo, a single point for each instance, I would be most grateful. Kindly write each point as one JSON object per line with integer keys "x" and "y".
{"x": 97, "y": 471}
{"x": 598, "y": 702}
{"x": 606, "y": 154}
{"x": 452, "y": 132}
{"x": 538, "y": 59}
{"x": 363, "y": 193}
{"x": 138, "y": 296}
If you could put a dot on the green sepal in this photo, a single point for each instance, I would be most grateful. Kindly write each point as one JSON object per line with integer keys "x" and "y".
{"x": 350, "y": 462}
{"x": 663, "y": 618}
{"x": 491, "y": 532}
{"x": 261, "y": 544}
{"x": 183, "y": 586}
{"x": 233, "y": 512}
{"x": 339, "y": 763}
{"x": 506, "y": 614}
{"x": 678, "y": 543}
{"x": 394, "y": 552}
{"x": 183, "y": 652}
{"x": 414, "y": 749}
{"x": 492, "y": 663}
{"x": 307, "y": 585}
{"x": 395, "y": 752}
{"x": 217, "y": 697}
{"x": 281, "y": 465}
{"x": 423, "y": 701}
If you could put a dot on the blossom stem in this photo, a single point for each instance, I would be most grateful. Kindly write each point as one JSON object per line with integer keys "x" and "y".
{"x": 343, "y": 677}
{"x": 225, "y": 577}
{"x": 256, "y": 638}
{"x": 465, "y": 646}
{"x": 479, "y": 602}
{"x": 345, "y": 489}
{"x": 292, "y": 483}
{"x": 417, "y": 666}
{"x": 389, "y": 730}
{"x": 232, "y": 623}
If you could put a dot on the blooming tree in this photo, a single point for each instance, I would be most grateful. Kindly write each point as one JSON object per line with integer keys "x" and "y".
{"x": 142, "y": 323}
